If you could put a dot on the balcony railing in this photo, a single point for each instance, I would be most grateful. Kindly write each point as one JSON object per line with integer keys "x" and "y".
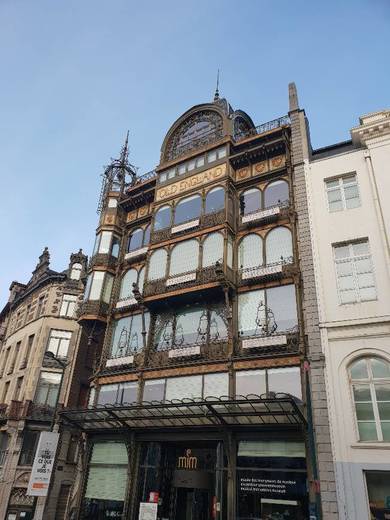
{"x": 194, "y": 278}
{"x": 38, "y": 412}
{"x": 93, "y": 308}
{"x": 264, "y": 127}
{"x": 266, "y": 215}
{"x": 185, "y": 353}
{"x": 267, "y": 272}
{"x": 26, "y": 458}
{"x": 259, "y": 345}
{"x": 103, "y": 260}
{"x": 202, "y": 222}
{"x": 3, "y": 457}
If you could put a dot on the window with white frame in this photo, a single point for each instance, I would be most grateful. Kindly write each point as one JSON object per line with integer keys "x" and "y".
{"x": 99, "y": 286}
{"x": 342, "y": 193}
{"x": 354, "y": 272}
{"x": 58, "y": 343}
{"x": 370, "y": 381}
{"x": 68, "y": 305}
{"x": 75, "y": 272}
{"x": 286, "y": 380}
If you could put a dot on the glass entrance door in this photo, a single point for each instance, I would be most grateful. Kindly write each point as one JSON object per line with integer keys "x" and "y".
{"x": 191, "y": 504}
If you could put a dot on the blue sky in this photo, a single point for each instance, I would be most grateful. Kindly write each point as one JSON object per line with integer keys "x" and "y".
{"x": 75, "y": 75}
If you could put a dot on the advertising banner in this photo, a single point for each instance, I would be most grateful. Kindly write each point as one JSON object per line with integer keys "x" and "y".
{"x": 43, "y": 464}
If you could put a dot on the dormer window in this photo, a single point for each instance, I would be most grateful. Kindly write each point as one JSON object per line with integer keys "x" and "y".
{"x": 75, "y": 273}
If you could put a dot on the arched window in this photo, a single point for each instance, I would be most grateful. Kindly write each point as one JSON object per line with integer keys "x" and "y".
{"x": 75, "y": 272}
{"x": 250, "y": 201}
{"x": 212, "y": 249}
{"x": 250, "y": 251}
{"x": 188, "y": 209}
{"x": 370, "y": 380}
{"x": 146, "y": 236}
{"x": 278, "y": 245}
{"x": 128, "y": 279}
{"x": 184, "y": 257}
{"x": 275, "y": 193}
{"x": 127, "y": 335}
{"x": 215, "y": 200}
{"x": 135, "y": 240}
{"x": 162, "y": 218}
{"x": 157, "y": 264}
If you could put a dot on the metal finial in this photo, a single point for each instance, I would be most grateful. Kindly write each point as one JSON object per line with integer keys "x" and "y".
{"x": 216, "y": 95}
{"x": 125, "y": 150}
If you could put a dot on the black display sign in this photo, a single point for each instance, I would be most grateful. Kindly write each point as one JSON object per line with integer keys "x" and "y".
{"x": 275, "y": 484}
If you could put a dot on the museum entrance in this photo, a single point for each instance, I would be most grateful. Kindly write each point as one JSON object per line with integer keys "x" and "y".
{"x": 192, "y": 504}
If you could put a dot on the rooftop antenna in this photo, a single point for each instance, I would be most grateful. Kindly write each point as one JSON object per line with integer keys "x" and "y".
{"x": 216, "y": 95}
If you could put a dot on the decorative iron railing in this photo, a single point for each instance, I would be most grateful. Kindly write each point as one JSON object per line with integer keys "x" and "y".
{"x": 271, "y": 271}
{"x": 145, "y": 177}
{"x": 264, "y": 127}
{"x": 268, "y": 214}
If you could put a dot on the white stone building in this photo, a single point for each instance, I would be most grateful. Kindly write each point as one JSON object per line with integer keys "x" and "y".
{"x": 348, "y": 187}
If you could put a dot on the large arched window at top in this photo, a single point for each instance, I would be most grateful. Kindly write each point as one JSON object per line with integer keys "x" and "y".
{"x": 250, "y": 251}
{"x": 275, "y": 193}
{"x": 370, "y": 380}
{"x": 157, "y": 264}
{"x": 135, "y": 240}
{"x": 184, "y": 257}
{"x": 250, "y": 201}
{"x": 188, "y": 209}
{"x": 278, "y": 245}
{"x": 162, "y": 218}
{"x": 215, "y": 200}
{"x": 128, "y": 279}
{"x": 212, "y": 249}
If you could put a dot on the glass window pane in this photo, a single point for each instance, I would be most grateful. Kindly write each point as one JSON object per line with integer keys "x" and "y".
{"x": 163, "y": 177}
{"x": 97, "y": 284}
{"x": 341, "y": 251}
{"x": 115, "y": 246}
{"x": 250, "y": 201}
{"x": 126, "y": 290}
{"x": 248, "y": 304}
{"x": 163, "y": 332}
{"x": 382, "y": 392}
{"x": 285, "y": 380}
{"x": 215, "y": 200}
{"x": 184, "y": 257}
{"x": 199, "y": 162}
{"x": 363, "y": 265}
{"x": 344, "y": 268}
{"x": 367, "y": 431}
{"x": 378, "y": 485}
{"x": 188, "y": 209}
{"x": 384, "y": 411}
{"x": 278, "y": 245}
{"x": 333, "y": 184}
{"x": 146, "y": 236}
{"x": 250, "y": 382}
{"x": 190, "y": 327}
{"x": 107, "y": 394}
{"x": 108, "y": 287}
{"x": 171, "y": 173}
{"x": 221, "y": 152}
{"x": 282, "y": 302}
{"x": 181, "y": 169}
{"x": 335, "y": 196}
{"x": 348, "y": 296}
{"x": 336, "y": 205}
{"x": 385, "y": 430}
{"x": 162, "y": 218}
{"x": 361, "y": 393}
{"x": 360, "y": 248}
{"x": 88, "y": 286}
{"x": 368, "y": 293}
{"x": 250, "y": 251}
{"x": 380, "y": 368}
{"x": 105, "y": 242}
{"x": 275, "y": 193}
{"x": 154, "y": 390}
{"x": 157, "y": 264}
{"x": 135, "y": 240}
{"x": 191, "y": 165}
{"x": 127, "y": 335}
{"x": 184, "y": 387}
{"x": 365, "y": 280}
{"x": 128, "y": 392}
{"x": 346, "y": 283}
{"x": 216, "y": 385}
{"x": 364, "y": 412}
{"x": 212, "y": 156}
{"x": 212, "y": 250}
{"x": 218, "y": 325}
{"x": 348, "y": 180}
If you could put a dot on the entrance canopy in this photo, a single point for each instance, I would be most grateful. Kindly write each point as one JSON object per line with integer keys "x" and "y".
{"x": 249, "y": 411}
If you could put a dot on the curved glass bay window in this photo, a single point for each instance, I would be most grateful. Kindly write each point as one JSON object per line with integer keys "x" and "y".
{"x": 184, "y": 257}
{"x": 99, "y": 286}
{"x": 162, "y": 218}
{"x": 250, "y": 251}
{"x": 127, "y": 337}
{"x": 250, "y": 201}
{"x": 215, "y": 200}
{"x": 138, "y": 238}
{"x": 188, "y": 209}
{"x": 277, "y": 247}
{"x": 194, "y": 325}
{"x": 129, "y": 278}
{"x": 370, "y": 380}
{"x": 267, "y": 311}
{"x": 276, "y": 193}
{"x": 157, "y": 264}
{"x": 106, "y": 243}
{"x": 106, "y": 482}
{"x": 212, "y": 249}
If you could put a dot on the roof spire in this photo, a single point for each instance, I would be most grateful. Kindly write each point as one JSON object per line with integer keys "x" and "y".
{"x": 216, "y": 95}
{"x": 125, "y": 151}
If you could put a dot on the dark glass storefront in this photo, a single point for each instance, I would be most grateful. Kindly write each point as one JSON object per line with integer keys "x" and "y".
{"x": 189, "y": 480}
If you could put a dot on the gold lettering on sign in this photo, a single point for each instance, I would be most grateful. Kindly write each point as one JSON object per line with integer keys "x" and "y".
{"x": 187, "y": 462}
{"x": 191, "y": 182}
